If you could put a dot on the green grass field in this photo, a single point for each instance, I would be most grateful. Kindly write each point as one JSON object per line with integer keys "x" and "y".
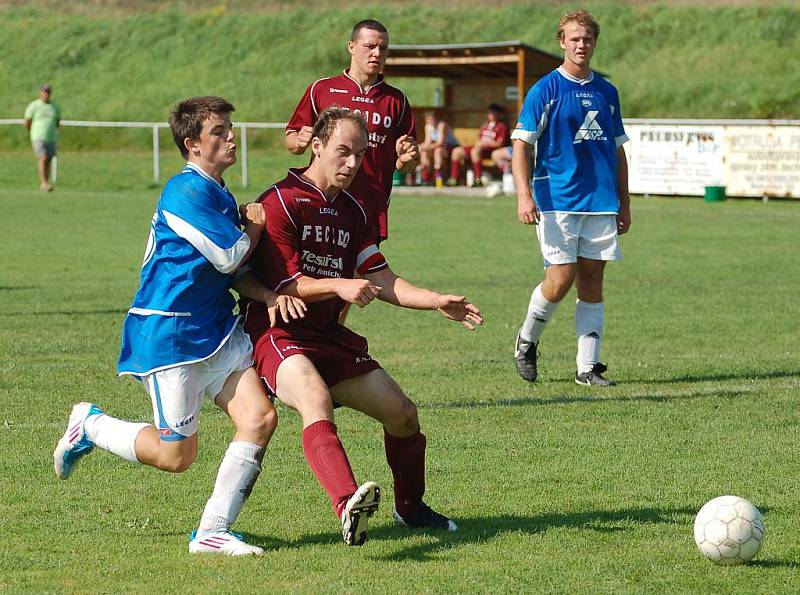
{"x": 556, "y": 488}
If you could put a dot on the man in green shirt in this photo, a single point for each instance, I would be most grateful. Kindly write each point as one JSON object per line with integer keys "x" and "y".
{"x": 42, "y": 118}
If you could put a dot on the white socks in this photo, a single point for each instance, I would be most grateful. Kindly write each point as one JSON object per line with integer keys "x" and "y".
{"x": 589, "y": 319}
{"x": 540, "y": 311}
{"x": 114, "y": 435}
{"x": 237, "y": 474}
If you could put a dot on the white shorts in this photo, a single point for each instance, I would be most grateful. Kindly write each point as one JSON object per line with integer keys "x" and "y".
{"x": 564, "y": 237}
{"x": 177, "y": 393}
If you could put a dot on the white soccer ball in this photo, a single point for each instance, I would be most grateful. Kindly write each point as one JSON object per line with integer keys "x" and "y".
{"x": 729, "y": 530}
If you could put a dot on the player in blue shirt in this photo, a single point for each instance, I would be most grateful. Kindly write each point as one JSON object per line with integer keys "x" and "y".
{"x": 577, "y": 197}
{"x": 180, "y": 338}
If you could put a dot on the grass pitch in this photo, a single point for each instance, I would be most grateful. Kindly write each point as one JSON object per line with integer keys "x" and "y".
{"x": 556, "y": 488}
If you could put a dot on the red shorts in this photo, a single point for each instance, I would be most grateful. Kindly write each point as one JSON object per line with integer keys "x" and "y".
{"x": 337, "y": 358}
{"x": 486, "y": 153}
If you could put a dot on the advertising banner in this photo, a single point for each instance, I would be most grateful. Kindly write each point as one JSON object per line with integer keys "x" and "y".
{"x": 684, "y": 157}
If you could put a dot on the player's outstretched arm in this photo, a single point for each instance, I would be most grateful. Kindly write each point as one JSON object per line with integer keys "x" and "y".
{"x": 400, "y": 292}
{"x": 286, "y": 306}
{"x": 354, "y": 291}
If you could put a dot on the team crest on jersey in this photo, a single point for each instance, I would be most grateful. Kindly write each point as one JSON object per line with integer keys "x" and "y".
{"x": 590, "y": 129}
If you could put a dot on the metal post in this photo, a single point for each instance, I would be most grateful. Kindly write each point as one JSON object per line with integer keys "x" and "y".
{"x": 54, "y": 170}
{"x": 156, "y": 164}
{"x": 244, "y": 156}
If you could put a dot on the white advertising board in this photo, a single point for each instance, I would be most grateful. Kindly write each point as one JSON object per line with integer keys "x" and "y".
{"x": 762, "y": 161}
{"x": 674, "y": 159}
{"x": 683, "y": 157}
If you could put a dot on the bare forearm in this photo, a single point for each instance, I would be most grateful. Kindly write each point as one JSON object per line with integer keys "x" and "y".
{"x": 622, "y": 179}
{"x": 400, "y": 292}
{"x": 407, "y": 167}
{"x": 521, "y": 168}
{"x": 312, "y": 290}
{"x": 253, "y": 232}
{"x": 248, "y": 285}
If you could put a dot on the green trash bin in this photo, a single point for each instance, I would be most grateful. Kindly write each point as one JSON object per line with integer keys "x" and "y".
{"x": 397, "y": 178}
{"x": 715, "y": 193}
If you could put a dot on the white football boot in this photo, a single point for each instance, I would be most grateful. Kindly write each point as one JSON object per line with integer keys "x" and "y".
{"x": 361, "y": 505}
{"x": 74, "y": 444}
{"x": 226, "y": 543}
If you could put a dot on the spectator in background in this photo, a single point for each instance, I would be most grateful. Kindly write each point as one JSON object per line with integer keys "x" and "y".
{"x": 502, "y": 159}
{"x": 436, "y": 147}
{"x": 42, "y": 118}
{"x": 493, "y": 135}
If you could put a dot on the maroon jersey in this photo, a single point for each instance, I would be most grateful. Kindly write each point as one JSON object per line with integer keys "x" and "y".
{"x": 310, "y": 235}
{"x": 388, "y": 118}
{"x": 495, "y": 131}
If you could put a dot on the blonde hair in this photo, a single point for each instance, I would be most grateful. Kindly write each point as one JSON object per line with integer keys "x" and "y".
{"x": 580, "y": 16}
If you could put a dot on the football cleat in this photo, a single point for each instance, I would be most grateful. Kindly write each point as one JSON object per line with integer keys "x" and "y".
{"x": 525, "y": 358}
{"x": 357, "y": 511}
{"x": 227, "y": 543}
{"x": 594, "y": 377}
{"x": 74, "y": 444}
{"x": 426, "y": 518}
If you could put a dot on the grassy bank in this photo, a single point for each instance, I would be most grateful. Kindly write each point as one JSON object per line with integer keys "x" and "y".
{"x": 728, "y": 60}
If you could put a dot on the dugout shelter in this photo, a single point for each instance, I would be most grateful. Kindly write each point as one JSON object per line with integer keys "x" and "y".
{"x": 474, "y": 75}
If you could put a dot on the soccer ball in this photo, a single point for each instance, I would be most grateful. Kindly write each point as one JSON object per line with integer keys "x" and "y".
{"x": 729, "y": 530}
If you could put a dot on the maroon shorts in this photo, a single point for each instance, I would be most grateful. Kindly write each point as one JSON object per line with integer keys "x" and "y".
{"x": 337, "y": 358}
{"x": 486, "y": 153}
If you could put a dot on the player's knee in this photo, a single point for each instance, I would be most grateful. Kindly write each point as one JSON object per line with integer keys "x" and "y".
{"x": 265, "y": 422}
{"x": 406, "y": 417}
{"x": 316, "y": 402}
{"x": 177, "y": 462}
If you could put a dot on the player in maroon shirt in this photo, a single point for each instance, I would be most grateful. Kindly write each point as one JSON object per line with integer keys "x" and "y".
{"x": 317, "y": 238}
{"x": 390, "y": 123}
{"x": 492, "y": 135}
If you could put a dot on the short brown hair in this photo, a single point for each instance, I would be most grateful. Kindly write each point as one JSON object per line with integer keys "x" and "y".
{"x": 580, "y": 16}
{"x": 330, "y": 118}
{"x": 367, "y": 24}
{"x": 187, "y": 117}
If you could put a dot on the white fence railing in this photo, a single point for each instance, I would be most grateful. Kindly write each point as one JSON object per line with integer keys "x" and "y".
{"x": 665, "y": 156}
{"x": 155, "y": 126}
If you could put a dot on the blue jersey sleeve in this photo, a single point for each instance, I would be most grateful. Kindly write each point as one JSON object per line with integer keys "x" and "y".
{"x": 533, "y": 117}
{"x": 197, "y": 215}
{"x": 619, "y": 129}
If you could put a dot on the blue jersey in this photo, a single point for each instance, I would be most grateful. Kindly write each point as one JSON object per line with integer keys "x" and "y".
{"x": 183, "y": 310}
{"x": 576, "y": 125}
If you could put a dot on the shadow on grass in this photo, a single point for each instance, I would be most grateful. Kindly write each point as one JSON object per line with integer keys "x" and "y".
{"x": 591, "y": 398}
{"x": 743, "y": 375}
{"x": 481, "y": 529}
{"x": 65, "y": 312}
